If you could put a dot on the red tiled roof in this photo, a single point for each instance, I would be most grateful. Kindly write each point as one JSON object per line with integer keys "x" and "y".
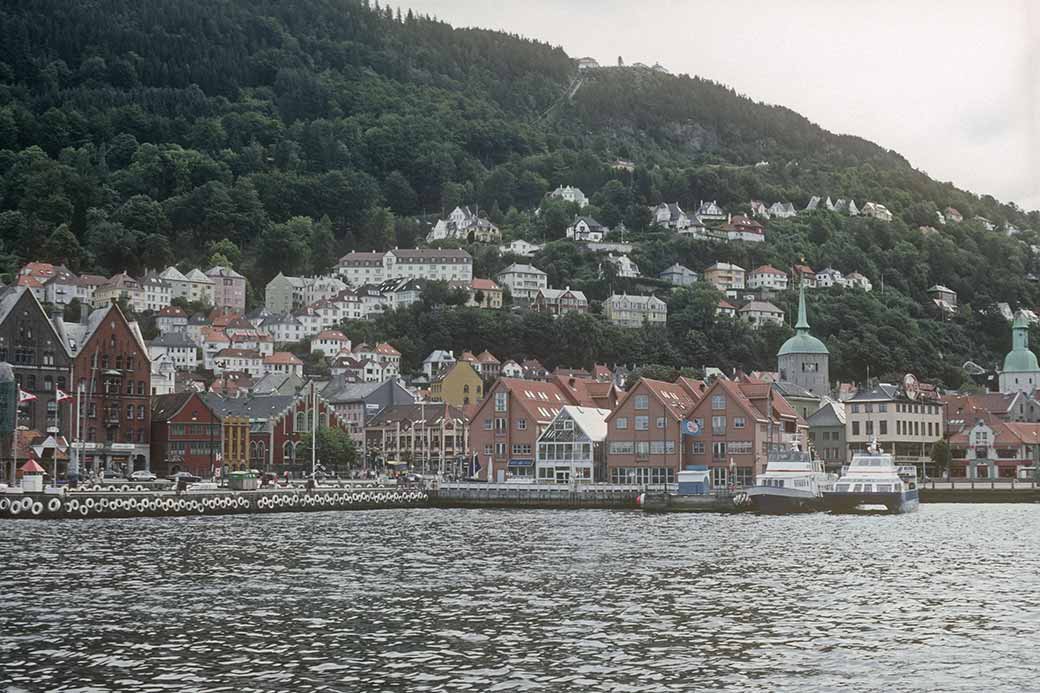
{"x": 479, "y": 284}
{"x": 283, "y": 357}
{"x": 487, "y": 357}
{"x": 238, "y": 353}
{"x": 768, "y": 269}
{"x": 386, "y": 349}
{"x": 328, "y": 335}
{"x": 172, "y": 312}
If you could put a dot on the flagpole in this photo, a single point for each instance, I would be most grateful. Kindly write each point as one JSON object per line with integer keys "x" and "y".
{"x": 314, "y": 432}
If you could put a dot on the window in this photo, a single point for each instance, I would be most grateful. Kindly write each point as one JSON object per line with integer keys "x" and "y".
{"x": 488, "y": 448}
{"x": 698, "y": 447}
{"x": 500, "y": 449}
{"x": 642, "y": 402}
{"x": 500, "y": 401}
{"x": 642, "y": 423}
{"x": 642, "y": 450}
{"x": 883, "y": 428}
{"x": 621, "y": 423}
{"x": 660, "y": 422}
{"x": 882, "y": 407}
{"x": 488, "y": 424}
{"x": 855, "y": 408}
{"x": 718, "y": 402}
{"x": 741, "y": 447}
{"x": 621, "y": 448}
{"x": 140, "y": 387}
{"x": 500, "y": 424}
{"x": 140, "y": 412}
{"x": 739, "y": 422}
{"x": 521, "y": 424}
{"x": 718, "y": 450}
{"x": 129, "y": 412}
{"x": 718, "y": 425}
{"x": 855, "y": 428}
{"x": 48, "y": 383}
{"x": 870, "y": 428}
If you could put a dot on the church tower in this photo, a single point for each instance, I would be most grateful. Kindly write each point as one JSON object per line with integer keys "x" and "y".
{"x": 804, "y": 359}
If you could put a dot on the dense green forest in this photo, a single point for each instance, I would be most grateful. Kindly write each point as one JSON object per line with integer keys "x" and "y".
{"x": 275, "y": 136}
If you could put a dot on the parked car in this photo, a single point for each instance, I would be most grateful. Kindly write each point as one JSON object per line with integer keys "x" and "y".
{"x": 109, "y": 475}
{"x": 143, "y": 475}
{"x": 187, "y": 477}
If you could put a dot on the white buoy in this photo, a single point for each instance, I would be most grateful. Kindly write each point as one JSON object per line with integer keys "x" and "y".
{"x": 54, "y": 505}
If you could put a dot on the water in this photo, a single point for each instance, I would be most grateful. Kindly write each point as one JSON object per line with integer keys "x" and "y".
{"x": 944, "y": 599}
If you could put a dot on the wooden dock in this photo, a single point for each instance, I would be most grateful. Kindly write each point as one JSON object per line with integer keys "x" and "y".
{"x": 979, "y": 491}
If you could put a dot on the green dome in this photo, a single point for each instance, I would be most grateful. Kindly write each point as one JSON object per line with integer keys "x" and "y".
{"x": 803, "y": 343}
{"x": 1019, "y": 361}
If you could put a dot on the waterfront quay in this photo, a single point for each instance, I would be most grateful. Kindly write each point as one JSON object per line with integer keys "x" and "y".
{"x": 113, "y": 501}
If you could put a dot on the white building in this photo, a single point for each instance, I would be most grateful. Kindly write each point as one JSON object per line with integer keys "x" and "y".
{"x": 570, "y": 446}
{"x": 858, "y": 281}
{"x": 520, "y": 248}
{"x": 182, "y": 351}
{"x": 782, "y": 210}
{"x": 523, "y": 281}
{"x": 586, "y": 229}
{"x": 171, "y": 319}
{"x": 829, "y": 277}
{"x": 877, "y": 211}
{"x": 463, "y": 224}
{"x": 767, "y": 277}
{"x": 283, "y": 362}
{"x": 448, "y": 264}
{"x": 671, "y": 216}
{"x": 760, "y": 313}
{"x": 439, "y": 361}
{"x": 624, "y": 266}
{"x": 710, "y": 211}
{"x": 200, "y": 287}
{"x": 163, "y": 376}
{"x": 634, "y": 311}
{"x": 157, "y": 293}
{"x": 571, "y": 194}
{"x": 330, "y": 342}
{"x": 238, "y": 361}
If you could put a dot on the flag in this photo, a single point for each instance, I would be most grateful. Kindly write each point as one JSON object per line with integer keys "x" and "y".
{"x": 60, "y": 396}
{"x": 24, "y": 396}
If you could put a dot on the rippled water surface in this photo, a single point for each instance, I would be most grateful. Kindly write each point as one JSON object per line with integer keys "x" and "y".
{"x": 945, "y": 599}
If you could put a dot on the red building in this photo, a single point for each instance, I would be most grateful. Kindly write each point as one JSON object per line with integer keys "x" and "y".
{"x": 277, "y": 427}
{"x": 112, "y": 371}
{"x": 186, "y": 435}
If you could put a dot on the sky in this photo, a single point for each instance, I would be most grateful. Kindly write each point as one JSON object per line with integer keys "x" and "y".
{"x": 952, "y": 85}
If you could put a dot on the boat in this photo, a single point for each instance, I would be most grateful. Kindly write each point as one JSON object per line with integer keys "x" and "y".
{"x": 873, "y": 481}
{"x": 794, "y": 482}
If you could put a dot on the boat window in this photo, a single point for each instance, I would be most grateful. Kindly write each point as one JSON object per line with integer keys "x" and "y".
{"x": 856, "y": 488}
{"x": 841, "y": 488}
{"x": 883, "y": 488}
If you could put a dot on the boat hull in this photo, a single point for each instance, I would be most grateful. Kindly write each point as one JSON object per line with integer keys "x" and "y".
{"x": 896, "y": 503}
{"x": 783, "y": 501}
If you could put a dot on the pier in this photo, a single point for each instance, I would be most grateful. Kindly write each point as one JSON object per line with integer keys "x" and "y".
{"x": 979, "y": 491}
{"x": 113, "y": 501}
{"x": 524, "y": 495}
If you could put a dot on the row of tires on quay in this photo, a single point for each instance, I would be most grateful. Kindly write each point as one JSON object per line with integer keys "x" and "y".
{"x": 90, "y": 506}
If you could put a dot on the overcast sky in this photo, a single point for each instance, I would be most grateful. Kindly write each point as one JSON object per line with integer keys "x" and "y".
{"x": 949, "y": 84}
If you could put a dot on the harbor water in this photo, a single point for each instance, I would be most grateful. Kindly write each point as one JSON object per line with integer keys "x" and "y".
{"x": 945, "y": 599}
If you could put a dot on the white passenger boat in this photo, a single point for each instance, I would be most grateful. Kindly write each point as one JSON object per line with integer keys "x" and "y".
{"x": 793, "y": 482}
{"x": 874, "y": 481}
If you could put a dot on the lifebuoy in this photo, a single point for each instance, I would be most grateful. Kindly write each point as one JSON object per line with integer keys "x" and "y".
{"x": 72, "y": 505}
{"x": 84, "y": 510}
{"x": 36, "y": 508}
{"x": 139, "y": 487}
{"x": 5, "y": 505}
{"x": 54, "y": 505}
{"x": 124, "y": 488}
{"x": 89, "y": 503}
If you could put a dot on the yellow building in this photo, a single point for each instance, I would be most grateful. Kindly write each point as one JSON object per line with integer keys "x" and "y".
{"x": 236, "y": 442}
{"x": 459, "y": 386}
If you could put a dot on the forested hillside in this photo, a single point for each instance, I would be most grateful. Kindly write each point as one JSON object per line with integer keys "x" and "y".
{"x": 276, "y": 136}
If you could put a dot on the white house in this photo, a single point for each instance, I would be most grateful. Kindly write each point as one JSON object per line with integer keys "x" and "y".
{"x": 858, "y": 281}
{"x": 284, "y": 328}
{"x": 571, "y": 194}
{"x": 767, "y": 277}
{"x": 512, "y": 369}
{"x": 782, "y": 210}
{"x": 710, "y": 211}
{"x": 679, "y": 275}
{"x": 829, "y": 277}
{"x": 439, "y": 361}
{"x": 182, "y": 351}
{"x": 330, "y": 342}
{"x": 200, "y": 287}
{"x": 586, "y": 229}
{"x": 523, "y": 281}
{"x": 163, "y": 380}
{"x": 624, "y": 266}
{"x": 283, "y": 362}
{"x": 464, "y": 224}
{"x": 157, "y": 294}
{"x": 634, "y": 311}
{"x": 520, "y": 248}
{"x": 238, "y": 361}
{"x": 761, "y": 312}
{"x": 171, "y": 319}
{"x": 877, "y": 211}
{"x": 670, "y": 216}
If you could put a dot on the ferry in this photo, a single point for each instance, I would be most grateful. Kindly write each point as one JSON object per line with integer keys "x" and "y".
{"x": 793, "y": 482}
{"x": 872, "y": 481}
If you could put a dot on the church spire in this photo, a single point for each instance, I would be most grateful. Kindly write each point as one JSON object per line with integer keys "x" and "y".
{"x": 803, "y": 322}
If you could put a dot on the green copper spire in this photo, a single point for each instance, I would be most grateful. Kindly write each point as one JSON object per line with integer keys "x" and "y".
{"x": 803, "y": 322}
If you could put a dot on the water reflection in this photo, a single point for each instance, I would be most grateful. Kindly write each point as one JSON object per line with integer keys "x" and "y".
{"x": 528, "y": 600}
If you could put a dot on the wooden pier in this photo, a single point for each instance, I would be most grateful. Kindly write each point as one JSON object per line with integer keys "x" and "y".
{"x": 979, "y": 491}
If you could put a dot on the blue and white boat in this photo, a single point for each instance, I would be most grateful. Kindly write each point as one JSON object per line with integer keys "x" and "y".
{"x": 873, "y": 481}
{"x": 793, "y": 482}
